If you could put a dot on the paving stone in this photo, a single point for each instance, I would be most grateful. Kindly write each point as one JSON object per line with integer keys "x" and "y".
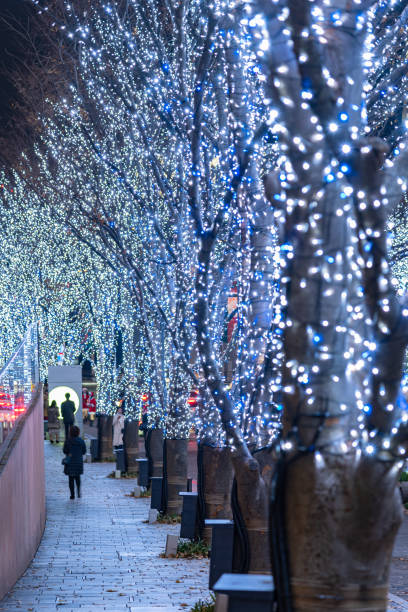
{"x": 396, "y": 604}
{"x": 97, "y": 552}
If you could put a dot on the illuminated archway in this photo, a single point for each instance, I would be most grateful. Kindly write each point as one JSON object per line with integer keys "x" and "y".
{"x": 58, "y": 394}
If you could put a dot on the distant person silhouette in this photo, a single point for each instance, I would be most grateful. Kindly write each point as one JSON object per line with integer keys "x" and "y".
{"x": 68, "y": 414}
{"x": 74, "y": 449}
{"x": 53, "y": 423}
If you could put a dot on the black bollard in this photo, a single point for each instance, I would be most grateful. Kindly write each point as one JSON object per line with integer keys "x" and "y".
{"x": 188, "y": 527}
{"x": 156, "y": 502}
{"x": 94, "y": 448}
{"x": 143, "y": 478}
{"x": 254, "y": 592}
{"x": 222, "y": 548}
{"x": 120, "y": 459}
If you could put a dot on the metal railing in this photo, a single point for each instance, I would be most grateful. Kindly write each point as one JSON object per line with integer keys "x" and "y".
{"x": 18, "y": 380}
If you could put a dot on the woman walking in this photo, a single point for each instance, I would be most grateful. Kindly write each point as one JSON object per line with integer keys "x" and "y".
{"x": 74, "y": 449}
{"x": 53, "y": 423}
{"x": 118, "y": 428}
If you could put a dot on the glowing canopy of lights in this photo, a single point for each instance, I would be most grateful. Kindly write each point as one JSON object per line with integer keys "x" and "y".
{"x": 209, "y": 151}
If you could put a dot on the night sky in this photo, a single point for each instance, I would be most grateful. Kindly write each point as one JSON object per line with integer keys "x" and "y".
{"x": 11, "y": 49}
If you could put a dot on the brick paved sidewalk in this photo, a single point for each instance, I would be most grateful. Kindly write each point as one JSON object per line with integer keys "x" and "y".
{"x": 399, "y": 565}
{"x": 396, "y": 604}
{"x": 98, "y": 554}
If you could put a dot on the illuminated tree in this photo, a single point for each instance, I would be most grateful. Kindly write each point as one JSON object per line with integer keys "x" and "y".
{"x": 49, "y": 279}
{"x": 121, "y": 138}
{"x": 336, "y": 507}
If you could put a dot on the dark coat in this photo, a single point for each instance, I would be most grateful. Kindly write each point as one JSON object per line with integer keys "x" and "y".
{"x": 74, "y": 448}
{"x": 67, "y": 411}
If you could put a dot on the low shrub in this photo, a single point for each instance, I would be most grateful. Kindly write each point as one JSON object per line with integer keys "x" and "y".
{"x": 204, "y": 606}
{"x": 122, "y": 475}
{"x": 192, "y": 549}
{"x": 168, "y": 519}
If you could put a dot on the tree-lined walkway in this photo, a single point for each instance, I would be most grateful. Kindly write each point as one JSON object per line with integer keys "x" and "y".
{"x": 97, "y": 552}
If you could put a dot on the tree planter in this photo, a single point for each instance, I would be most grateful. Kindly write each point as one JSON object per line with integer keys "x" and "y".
{"x": 105, "y": 437}
{"x": 251, "y": 513}
{"x": 154, "y": 451}
{"x": 175, "y": 474}
{"x": 131, "y": 441}
{"x": 342, "y": 515}
{"x": 215, "y": 477}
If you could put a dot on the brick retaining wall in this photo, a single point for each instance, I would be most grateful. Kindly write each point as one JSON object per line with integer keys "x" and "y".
{"x": 22, "y": 494}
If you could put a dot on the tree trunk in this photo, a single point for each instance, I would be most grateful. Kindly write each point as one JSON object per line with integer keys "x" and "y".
{"x": 253, "y": 491}
{"x": 215, "y": 485}
{"x": 131, "y": 440}
{"x": 342, "y": 516}
{"x": 105, "y": 437}
{"x": 176, "y": 473}
{"x": 156, "y": 452}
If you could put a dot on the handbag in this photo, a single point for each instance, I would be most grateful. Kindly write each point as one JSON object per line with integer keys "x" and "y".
{"x": 65, "y": 463}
